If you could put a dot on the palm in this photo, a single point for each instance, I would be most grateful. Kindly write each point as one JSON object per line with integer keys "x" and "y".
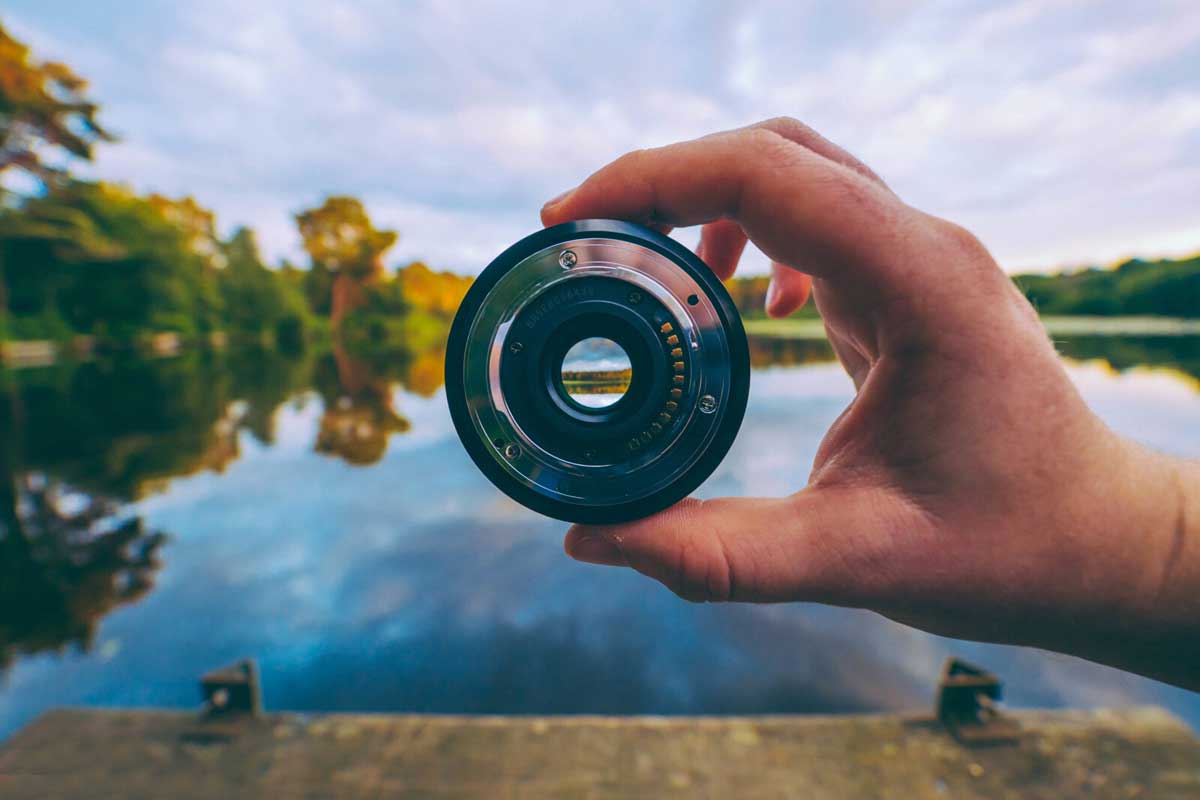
{"x": 967, "y": 488}
{"x": 929, "y": 443}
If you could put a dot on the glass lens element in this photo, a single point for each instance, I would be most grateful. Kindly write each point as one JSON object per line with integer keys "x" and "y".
{"x": 596, "y": 372}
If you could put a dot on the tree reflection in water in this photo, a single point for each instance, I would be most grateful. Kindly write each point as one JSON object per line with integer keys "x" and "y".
{"x": 358, "y": 418}
{"x": 65, "y": 562}
{"x": 1176, "y": 353}
{"x": 780, "y": 352}
{"x": 77, "y": 441}
{"x": 1179, "y": 354}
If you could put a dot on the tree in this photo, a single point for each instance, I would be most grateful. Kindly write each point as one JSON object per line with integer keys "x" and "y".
{"x": 198, "y": 225}
{"x": 1168, "y": 286}
{"x": 260, "y": 303}
{"x": 42, "y": 105}
{"x": 139, "y": 272}
{"x": 438, "y": 293}
{"x": 43, "y": 112}
{"x": 341, "y": 240}
{"x": 318, "y": 288}
{"x": 38, "y": 243}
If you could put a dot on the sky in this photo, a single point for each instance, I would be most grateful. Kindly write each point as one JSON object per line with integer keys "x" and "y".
{"x": 1063, "y": 132}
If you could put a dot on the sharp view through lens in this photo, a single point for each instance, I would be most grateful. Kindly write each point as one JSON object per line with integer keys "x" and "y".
{"x": 596, "y": 372}
{"x": 220, "y": 442}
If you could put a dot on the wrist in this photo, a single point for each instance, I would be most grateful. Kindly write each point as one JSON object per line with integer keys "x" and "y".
{"x": 1152, "y": 546}
{"x": 1163, "y": 497}
{"x": 1177, "y": 596}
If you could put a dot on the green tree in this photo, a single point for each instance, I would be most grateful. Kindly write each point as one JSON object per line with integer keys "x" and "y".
{"x": 1168, "y": 287}
{"x": 318, "y": 288}
{"x": 260, "y": 303}
{"x": 39, "y": 243}
{"x": 108, "y": 262}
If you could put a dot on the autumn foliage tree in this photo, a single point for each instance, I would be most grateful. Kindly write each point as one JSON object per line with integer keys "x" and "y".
{"x": 343, "y": 244}
{"x": 438, "y": 293}
{"x": 43, "y": 112}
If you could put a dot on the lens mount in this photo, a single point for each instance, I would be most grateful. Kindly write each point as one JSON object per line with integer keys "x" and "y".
{"x": 682, "y": 397}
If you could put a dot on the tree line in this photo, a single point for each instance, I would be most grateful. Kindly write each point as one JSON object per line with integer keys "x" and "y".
{"x": 1165, "y": 287}
{"x": 1168, "y": 287}
{"x": 95, "y": 258}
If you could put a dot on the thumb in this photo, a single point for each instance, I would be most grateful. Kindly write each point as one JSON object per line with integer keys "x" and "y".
{"x": 814, "y": 545}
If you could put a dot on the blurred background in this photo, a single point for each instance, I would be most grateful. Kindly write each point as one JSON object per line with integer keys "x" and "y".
{"x": 232, "y": 237}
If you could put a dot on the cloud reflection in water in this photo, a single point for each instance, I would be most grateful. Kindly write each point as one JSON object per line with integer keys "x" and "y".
{"x": 414, "y": 585}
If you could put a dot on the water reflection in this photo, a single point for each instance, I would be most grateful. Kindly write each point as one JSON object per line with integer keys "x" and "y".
{"x": 65, "y": 562}
{"x": 412, "y": 584}
{"x": 780, "y": 352}
{"x": 79, "y": 440}
{"x": 359, "y": 418}
{"x": 1176, "y": 353}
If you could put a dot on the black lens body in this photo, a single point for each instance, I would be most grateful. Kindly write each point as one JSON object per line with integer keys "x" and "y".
{"x": 687, "y": 381}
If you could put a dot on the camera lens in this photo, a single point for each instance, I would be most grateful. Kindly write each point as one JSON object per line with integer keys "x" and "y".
{"x": 597, "y": 371}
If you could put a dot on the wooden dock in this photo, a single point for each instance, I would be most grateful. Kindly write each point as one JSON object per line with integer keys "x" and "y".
{"x": 1133, "y": 753}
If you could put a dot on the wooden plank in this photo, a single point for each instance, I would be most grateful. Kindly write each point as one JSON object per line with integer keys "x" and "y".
{"x": 1135, "y": 753}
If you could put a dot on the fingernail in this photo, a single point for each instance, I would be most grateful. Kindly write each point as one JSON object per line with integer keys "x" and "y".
{"x": 557, "y": 199}
{"x": 772, "y": 296}
{"x": 597, "y": 550}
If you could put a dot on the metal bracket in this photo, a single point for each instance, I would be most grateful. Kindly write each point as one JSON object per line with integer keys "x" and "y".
{"x": 967, "y": 705}
{"x": 233, "y": 689}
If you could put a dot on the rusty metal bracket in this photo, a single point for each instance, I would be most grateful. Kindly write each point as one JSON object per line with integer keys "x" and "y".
{"x": 234, "y": 689}
{"x": 967, "y": 705}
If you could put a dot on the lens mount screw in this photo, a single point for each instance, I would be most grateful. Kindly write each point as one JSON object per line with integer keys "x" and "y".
{"x": 707, "y": 404}
{"x": 511, "y": 451}
{"x": 567, "y": 259}
{"x": 515, "y": 348}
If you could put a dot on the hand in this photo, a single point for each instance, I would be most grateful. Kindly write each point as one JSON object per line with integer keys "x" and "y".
{"x": 967, "y": 489}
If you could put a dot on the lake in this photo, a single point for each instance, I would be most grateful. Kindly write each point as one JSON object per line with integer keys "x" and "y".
{"x": 160, "y": 518}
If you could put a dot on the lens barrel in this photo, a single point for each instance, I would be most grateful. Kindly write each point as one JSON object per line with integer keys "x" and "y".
{"x": 663, "y": 414}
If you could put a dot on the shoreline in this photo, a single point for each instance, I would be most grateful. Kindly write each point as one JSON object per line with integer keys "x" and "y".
{"x": 812, "y": 328}
{"x": 23, "y": 354}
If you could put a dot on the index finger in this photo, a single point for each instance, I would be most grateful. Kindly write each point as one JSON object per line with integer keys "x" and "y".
{"x": 790, "y": 200}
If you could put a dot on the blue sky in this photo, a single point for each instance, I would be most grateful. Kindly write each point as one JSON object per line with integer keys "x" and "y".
{"x": 1061, "y": 132}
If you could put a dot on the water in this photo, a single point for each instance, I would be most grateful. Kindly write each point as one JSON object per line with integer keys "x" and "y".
{"x": 319, "y": 514}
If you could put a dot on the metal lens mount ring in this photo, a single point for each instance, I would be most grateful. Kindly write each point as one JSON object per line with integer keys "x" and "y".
{"x": 687, "y": 387}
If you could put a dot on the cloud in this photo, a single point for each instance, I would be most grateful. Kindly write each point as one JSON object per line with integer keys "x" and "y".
{"x": 1060, "y": 131}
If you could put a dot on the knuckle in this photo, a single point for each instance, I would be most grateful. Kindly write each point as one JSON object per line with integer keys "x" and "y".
{"x": 959, "y": 239}
{"x": 791, "y": 129}
{"x": 766, "y": 152}
{"x": 634, "y": 160}
{"x": 765, "y": 140}
{"x": 784, "y": 122}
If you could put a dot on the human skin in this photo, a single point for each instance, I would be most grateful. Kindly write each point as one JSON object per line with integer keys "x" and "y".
{"x": 967, "y": 489}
